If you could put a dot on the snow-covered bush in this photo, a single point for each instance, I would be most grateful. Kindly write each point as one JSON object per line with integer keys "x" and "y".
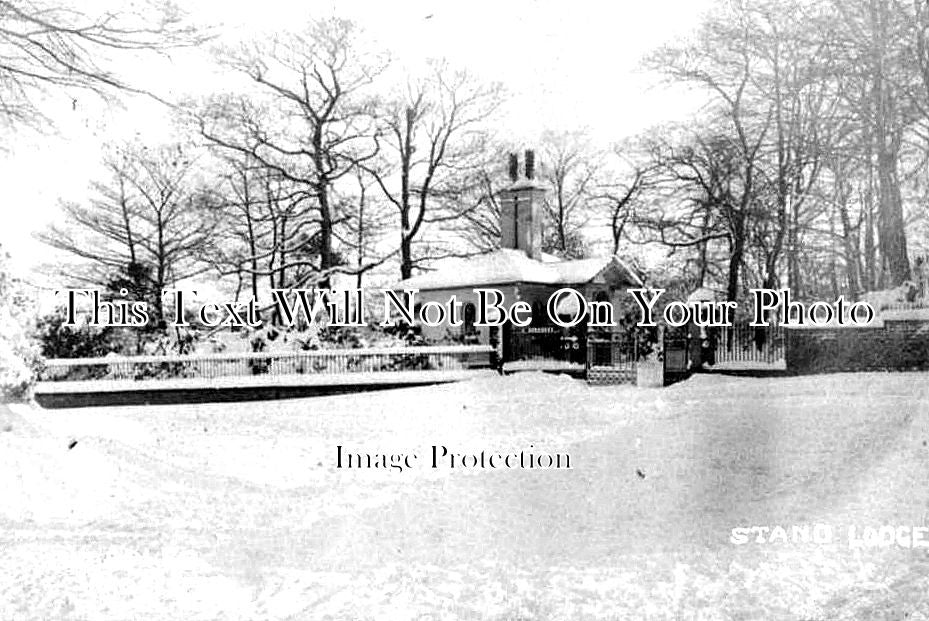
{"x": 57, "y": 340}
{"x": 403, "y": 334}
{"x": 888, "y": 298}
{"x": 16, "y": 375}
{"x": 19, "y": 355}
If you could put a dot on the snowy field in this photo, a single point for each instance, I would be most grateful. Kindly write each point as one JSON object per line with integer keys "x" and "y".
{"x": 236, "y": 511}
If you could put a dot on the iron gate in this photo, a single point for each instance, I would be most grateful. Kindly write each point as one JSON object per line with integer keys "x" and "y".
{"x": 744, "y": 343}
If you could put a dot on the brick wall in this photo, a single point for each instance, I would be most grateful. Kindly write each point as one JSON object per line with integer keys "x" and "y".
{"x": 897, "y": 346}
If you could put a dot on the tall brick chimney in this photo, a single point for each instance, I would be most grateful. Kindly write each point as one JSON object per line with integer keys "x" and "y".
{"x": 521, "y": 208}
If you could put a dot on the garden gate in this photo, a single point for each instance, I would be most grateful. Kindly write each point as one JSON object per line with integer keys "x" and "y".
{"x": 743, "y": 343}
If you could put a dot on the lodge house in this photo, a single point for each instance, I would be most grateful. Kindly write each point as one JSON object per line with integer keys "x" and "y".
{"x": 521, "y": 271}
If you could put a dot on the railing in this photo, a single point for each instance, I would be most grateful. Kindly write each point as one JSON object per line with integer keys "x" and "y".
{"x": 617, "y": 351}
{"x": 744, "y": 343}
{"x": 676, "y": 355}
{"x": 880, "y": 306}
{"x": 320, "y": 361}
{"x": 904, "y": 306}
{"x": 611, "y": 359}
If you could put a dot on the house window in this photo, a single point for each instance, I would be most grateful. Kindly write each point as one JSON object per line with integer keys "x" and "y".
{"x": 470, "y": 316}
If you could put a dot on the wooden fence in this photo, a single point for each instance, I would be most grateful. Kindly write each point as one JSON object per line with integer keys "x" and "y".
{"x": 320, "y": 361}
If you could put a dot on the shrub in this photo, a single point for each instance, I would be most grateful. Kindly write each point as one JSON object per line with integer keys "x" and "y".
{"x": 57, "y": 340}
{"x": 16, "y": 374}
{"x": 19, "y": 356}
{"x": 409, "y": 335}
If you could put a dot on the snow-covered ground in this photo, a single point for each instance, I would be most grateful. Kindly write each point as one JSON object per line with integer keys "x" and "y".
{"x": 236, "y": 511}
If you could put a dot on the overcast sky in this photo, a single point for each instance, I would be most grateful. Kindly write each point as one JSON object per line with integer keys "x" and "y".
{"x": 567, "y": 65}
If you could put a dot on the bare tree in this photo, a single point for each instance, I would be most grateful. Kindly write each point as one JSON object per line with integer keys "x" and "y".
{"x": 147, "y": 226}
{"x": 254, "y": 226}
{"x": 703, "y": 200}
{"x": 765, "y": 72}
{"x": 311, "y": 124}
{"x": 47, "y": 48}
{"x": 367, "y": 223}
{"x": 880, "y": 75}
{"x": 622, "y": 192}
{"x": 569, "y": 165}
{"x": 434, "y": 143}
{"x": 479, "y": 222}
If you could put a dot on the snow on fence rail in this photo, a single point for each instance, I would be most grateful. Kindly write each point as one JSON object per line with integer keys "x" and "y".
{"x": 904, "y": 306}
{"x": 320, "y": 361}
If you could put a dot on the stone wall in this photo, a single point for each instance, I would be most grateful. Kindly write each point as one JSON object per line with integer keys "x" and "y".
{"x": 896, "y": 346}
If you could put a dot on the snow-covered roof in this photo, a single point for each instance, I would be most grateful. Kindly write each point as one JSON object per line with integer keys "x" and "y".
{"x": 507, "y": 266}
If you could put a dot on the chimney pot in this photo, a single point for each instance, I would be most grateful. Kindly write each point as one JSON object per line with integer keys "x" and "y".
{"x": 514, "y": 167}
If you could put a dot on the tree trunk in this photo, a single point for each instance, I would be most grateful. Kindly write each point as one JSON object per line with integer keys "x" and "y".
{"x": 406, "y": 252}
{"x": 735, "y": 259}
{"x": 849, "y": 240}
{"x": 895, "y": 264}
